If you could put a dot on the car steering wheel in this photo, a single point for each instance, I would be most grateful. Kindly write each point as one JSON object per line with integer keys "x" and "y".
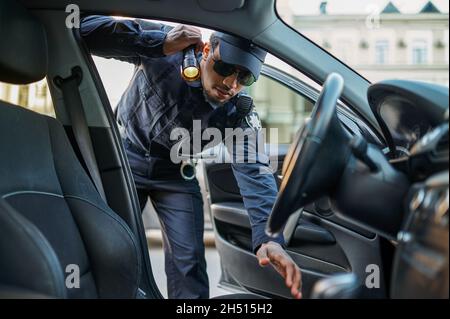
{"x": 316, "y": 158}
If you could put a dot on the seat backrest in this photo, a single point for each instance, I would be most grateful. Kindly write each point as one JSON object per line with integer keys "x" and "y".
{"x": 52, "y": 219}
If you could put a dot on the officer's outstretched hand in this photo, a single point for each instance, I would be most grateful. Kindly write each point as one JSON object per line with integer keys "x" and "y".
{"x": 181, "y": 37}
{"x": 272, "y": 253}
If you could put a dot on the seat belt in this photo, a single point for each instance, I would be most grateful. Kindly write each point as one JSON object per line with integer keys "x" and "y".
{"x": 72, "y": 99}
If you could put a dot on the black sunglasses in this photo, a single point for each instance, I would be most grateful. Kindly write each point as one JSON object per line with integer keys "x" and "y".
{"x": 244, "y": 77}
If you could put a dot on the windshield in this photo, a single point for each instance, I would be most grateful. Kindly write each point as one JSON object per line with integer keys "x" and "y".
{"x": 403, "y": 39}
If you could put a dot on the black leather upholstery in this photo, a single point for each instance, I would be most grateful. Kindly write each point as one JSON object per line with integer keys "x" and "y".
{"x": 26, "y": 257}
{"x": 23, "y": 54}
{"x": 13, "y": 292}
{"x": 51, "y": 216}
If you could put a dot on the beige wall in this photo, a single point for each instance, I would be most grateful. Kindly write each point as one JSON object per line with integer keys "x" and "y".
{"x": 345, "y": 36}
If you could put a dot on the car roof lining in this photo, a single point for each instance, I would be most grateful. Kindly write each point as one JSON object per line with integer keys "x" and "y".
{"x": 253, "y": 13}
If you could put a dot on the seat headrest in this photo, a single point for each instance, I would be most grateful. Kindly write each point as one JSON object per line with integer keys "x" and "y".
{"x": 23, "y": 49}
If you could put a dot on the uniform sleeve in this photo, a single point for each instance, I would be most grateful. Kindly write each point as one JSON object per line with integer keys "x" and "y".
{"x": 257, "y": 185}
{"x": 123, "y": 39}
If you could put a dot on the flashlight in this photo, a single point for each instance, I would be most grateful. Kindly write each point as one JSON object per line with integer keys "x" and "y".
{"x": 190, "y": 70}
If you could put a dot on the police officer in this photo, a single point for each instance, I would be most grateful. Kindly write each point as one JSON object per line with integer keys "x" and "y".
{"x": 159, "y": 100}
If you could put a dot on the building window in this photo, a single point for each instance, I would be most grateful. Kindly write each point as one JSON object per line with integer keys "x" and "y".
{"x": 419, "y": 52}
{"x": 381, "y": 52}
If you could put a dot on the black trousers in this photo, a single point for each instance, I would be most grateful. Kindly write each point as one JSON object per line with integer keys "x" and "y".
{"x": 182, "y": 224}
{"x": 179, "y": 206}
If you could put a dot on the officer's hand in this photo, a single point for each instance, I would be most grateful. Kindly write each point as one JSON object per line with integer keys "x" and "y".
{"x": 181, "y": 37}
{"x": 272, "y": 253}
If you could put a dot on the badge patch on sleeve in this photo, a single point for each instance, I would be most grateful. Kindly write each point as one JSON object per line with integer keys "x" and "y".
{"x": 253, "y": 121}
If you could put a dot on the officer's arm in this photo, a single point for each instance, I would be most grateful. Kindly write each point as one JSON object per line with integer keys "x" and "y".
{"x": 255, "y": 180}
{"x": 258, "y": 188}
{"x": 123, "y": 39}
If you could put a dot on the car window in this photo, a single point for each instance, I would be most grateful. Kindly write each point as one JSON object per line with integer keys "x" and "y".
{"x": 35, "y": 96}
{"x": 279, "y": 107}
{"x": 380, "y": 39}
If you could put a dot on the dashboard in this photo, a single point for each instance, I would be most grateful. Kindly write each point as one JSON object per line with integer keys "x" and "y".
{"x": 414, "y": 119}
{"x": 421, "y": 266}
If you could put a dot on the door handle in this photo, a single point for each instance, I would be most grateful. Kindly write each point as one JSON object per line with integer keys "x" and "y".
{"x": 307, "y": 232}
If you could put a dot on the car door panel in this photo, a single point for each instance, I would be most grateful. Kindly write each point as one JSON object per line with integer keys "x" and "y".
{"x": 350, "y": 252}
{"x": 240, "y": 271}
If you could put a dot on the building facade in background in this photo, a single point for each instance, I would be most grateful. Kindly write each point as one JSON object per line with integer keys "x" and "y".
{"x": 35, "y": 96}
{"x": 382, "y": 45}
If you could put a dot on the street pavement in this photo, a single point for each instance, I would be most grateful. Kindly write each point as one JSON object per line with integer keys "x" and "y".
{"x": 213, "y": 269}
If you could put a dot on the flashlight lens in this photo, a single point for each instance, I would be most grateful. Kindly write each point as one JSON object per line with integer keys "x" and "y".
{"x": 190, "y": 72}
